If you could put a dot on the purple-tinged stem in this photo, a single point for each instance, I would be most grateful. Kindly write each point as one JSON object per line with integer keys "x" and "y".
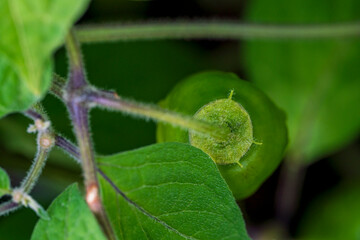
{"x": 31, "y": 113}
{"x": 75, "y": 97}
{"x": 8, "y": 207}
{"x": 45, "y": 140}
{"x": 68, "y": 147}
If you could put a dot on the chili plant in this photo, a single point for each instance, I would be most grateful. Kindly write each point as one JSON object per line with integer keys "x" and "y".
{"x": 220, "y": 137}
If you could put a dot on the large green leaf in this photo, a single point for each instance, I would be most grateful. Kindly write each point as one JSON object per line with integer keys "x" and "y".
{"x": 4, "y": 182}
{"x": 70, "y": 218}
{"x": 30, "y": 32}
{"x": 316, "y": 82}
{"x": 168, "y": 191}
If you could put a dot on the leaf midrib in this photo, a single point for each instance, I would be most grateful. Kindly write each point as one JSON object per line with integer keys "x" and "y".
{"x": 142, "y": 210}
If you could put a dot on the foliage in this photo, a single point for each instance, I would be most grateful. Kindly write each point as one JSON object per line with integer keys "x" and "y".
{"x": 168, "y": 191}
{"x": 316, "y": 81}
{"x": 223, "y": 137}
{"x": 4, "y": 182}
{"x": 33, "y": 30}
{"x": 70, "y": 218}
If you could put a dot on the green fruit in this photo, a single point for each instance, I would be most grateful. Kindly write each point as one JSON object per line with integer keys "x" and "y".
{"x": 232, "y": 116}
{"x": 258, "y": 132}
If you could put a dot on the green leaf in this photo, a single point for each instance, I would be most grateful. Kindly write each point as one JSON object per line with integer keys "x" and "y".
{"x": 70, "y": 219}
{"x": 32, "y": 30}
{"x": 316, "y": 82}
{"x": 335, "y": 215}
{"x": 168, "y": 191}
{"x": 4, "y": 182}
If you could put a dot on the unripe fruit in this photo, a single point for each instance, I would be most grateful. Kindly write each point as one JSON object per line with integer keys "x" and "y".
{"x": 257, "y": 136}
{"x": 231, "y": 115}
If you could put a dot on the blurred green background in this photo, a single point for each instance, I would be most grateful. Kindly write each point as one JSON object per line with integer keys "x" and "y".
{"x": 295, "y": 74}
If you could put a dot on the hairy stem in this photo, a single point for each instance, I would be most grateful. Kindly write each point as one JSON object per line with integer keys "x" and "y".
{"x": 57, "y": 86}
{"x": 8, "y": 207}
{"x": 45, "y": 142}
{"x": 68, "y": 147}
{"x": 114, "y": 102}
{"x": 78, "y": 111}
{"x": 76, "y": 89}
{"x": 216, "y": 29}
{"x": 60, "y": 141}
{"x": 35, "y": 169}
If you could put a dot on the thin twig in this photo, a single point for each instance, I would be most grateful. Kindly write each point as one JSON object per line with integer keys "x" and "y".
{"x": 68, "y": 147}
{"x": 114, "y": 102}
{"x": 36, "y": 169}
{"x": 110, "y": 100}
{"x": 45, "y": 142}
{"x": 60, "y": 141}
{"x": 8, "y": 207}
{"x": 212, "y": 29}
{"x": 57, "y": 86}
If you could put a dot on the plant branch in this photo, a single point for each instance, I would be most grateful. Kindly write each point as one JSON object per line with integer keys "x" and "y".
{"x": 58, "y": 84}
{"x": 79, "y": 112}
{"x": 114, "y": 102}
{"x": 8, "y": 207}
{"x": 68, "y": 147}
{"x": 45, "y": 142}
{"x": 215, "y": 29}
{"x": 73, "y": 51}
{"x": 60, "y": 141}
{"x": 76, "y": 89}
{"x": 36, "y": 168}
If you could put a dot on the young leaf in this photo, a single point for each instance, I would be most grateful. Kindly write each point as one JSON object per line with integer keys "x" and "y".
{"x": 32, "y": 31}
{"x": 168, "y": 191}
{"x": 316, "y": 82}
{"x": 70, "y": 218}
{"x": 4, "y": 182}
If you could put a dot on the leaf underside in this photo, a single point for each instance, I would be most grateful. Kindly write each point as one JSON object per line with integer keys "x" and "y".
{"x": 32, "y": 32}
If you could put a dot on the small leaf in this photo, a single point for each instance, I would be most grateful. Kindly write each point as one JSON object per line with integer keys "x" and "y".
{"x": 4, "y": 182}
{"x": 316, "y": 81}
{"x": 168, "y": 191}
{"x": 32, "y": 30}
{"x": 70, "y": 219}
